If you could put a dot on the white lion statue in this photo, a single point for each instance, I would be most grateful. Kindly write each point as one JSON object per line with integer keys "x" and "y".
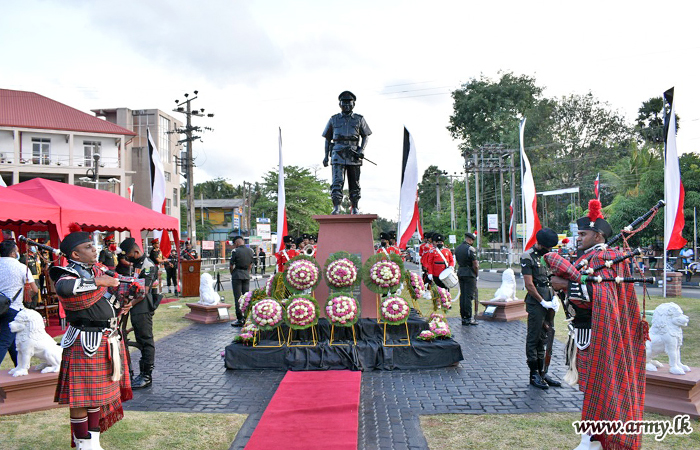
{"x": 666, "y": 335}
{"x": 207, "y": 294}
{"x": 506, "y": 293}
{"x": 33, "y": 340}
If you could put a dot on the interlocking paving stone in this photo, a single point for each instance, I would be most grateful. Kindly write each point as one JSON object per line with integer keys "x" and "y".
{"x": 493, "y": 378}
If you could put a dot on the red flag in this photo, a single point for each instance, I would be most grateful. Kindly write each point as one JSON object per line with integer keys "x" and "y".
{"x": 532, "y": 222}
{"x": 597, "y": 185}
{"x": 158, "y": 197}
{"x": 281, "y": 201}
{"x": 409, "y": 219}
{"x": 674, "y": 220}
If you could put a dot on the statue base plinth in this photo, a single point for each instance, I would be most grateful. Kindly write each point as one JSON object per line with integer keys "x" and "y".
{"x": 671, "y": 394}
{"x": 353, "y": 234}
{"x": 33, "y": 392}
{"x": 505, "y": 311}
{"x": 209, "y": 313}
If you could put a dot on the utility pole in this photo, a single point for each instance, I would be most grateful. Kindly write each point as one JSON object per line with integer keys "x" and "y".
{"x": 437, "y": 187}
{"x": 189, "y": 138}
{"x": 478, "y": 212}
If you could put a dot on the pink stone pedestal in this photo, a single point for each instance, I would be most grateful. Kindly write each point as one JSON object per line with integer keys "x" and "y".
{"x": 353, "y": 234}
{"x": 673, "y": 394}
{"x": 33, "y": 392}
{"x": 505, "y": 311}
{"x": 207, "y": 313}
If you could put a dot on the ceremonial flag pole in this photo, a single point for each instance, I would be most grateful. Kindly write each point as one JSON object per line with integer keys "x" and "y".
{"x": 532, "y": 221}
{"x": 281, "y": 201}
{"x": 674, "y": 193}
{"x": 409, "y": 217}
{"x": 158, "y": 198}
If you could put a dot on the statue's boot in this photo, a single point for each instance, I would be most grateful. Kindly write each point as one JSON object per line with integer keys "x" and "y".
{"x": 535, "y": 378}
{"x": 336, "y": 206}
{"x": 354, "y": 209}
{"x": 543, "y": 374}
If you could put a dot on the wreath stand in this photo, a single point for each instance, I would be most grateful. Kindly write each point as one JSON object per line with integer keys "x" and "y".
{"x": 379, "y": 309}
{"x": 256, "y": 340}
{"x": 354, "y": 338}
{"x": 292, "y": 343}
{"x": 407, "y": 340}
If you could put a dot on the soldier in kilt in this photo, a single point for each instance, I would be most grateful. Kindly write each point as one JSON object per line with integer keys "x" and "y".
{"x": 93, "y": 379}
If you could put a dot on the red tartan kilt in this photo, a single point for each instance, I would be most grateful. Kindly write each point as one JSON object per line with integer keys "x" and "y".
{"x": 582, "y": 366}
{"x": 85, "y": 382}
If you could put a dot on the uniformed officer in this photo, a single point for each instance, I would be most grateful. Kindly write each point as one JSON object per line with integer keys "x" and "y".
{"x": 537, "y": 302}
{"x": 286, "y": 253}
{"x": 143, "y": 311}
{"x": 384, "y": 246}
{"x": 466, "y": 273}
{"x": 346, "y": 136}
{"x": 424, "y": 251}
{"x": 241, "y": 259}
{"x": 438, "y": 260}
{"x": 108, "y": 255}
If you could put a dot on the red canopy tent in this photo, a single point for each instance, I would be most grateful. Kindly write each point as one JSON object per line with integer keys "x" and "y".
{"x": 21, "y": 213}
{"x": 94, "y": 209}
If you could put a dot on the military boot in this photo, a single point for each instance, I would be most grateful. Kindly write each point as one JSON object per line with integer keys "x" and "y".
{"x": 336, "y": 206}
{"x": 354, "y": 209}
{"x": 543, "y": 373}
{"x": 144, "y": 379}
{"x": 535, "y": 378}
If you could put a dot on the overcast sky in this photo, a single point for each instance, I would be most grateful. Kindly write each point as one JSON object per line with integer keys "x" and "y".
{"x": 268, "y": 64}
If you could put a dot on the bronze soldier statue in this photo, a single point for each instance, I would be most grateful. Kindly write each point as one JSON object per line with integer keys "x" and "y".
{"x": 346, "y": 138}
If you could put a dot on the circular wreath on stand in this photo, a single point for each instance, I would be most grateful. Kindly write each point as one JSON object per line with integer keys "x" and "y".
{"x": 414, "y": 284}
{"x": 382, "y": 273}
{"x": 442, "y": 299}
{"x": 302, "y": 274}
{"x": 342, "y": 271}
{"x": 342, "y": 310}
{"x": 267, "y": 314}
{"x": 395, "y": 310}
{"x": 247, "y": 299}
{"x": 301, "y": 312}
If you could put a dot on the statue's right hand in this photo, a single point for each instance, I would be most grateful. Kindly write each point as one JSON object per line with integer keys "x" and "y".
{"x": 325, "y": 162}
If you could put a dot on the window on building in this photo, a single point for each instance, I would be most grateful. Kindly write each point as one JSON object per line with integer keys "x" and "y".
{"x": 168, "y": 205}
{"x": 175, "y": 195}
{"x": 89, "y": 149}
{"x": 167, "y": 176}
{"x": 41, "y": 148}
{"x": 164, "y": 139}
{"x": 228, "y": 217}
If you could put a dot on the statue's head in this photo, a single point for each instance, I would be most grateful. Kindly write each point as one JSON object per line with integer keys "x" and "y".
{"x": 347, "y": 101}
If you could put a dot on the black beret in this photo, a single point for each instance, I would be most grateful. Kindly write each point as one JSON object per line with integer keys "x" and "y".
{"x": 547, "y": 237}
{"x": 599, "y": 226}
{"x": 384, "y": 236}
{"x": 305, "y": 236}
{"x": 73, "y": 240}
{"x": 438, "y": 237}
{"x": 127, "y": 244}
{"x": 299, "y": 240}
{"x": 392, "y": 235}
{"x": 288, "y": 239}
{"x": 469, "y": 235}
{"x": 347, "y": 95}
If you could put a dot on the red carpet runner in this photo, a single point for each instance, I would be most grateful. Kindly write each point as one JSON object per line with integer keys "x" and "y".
{"x": 311, "y": 410}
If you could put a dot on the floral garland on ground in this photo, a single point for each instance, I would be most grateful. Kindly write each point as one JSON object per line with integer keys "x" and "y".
{"x": 247, "y": 333}
{"x": 439, "y": 327}
{"x": 442, "y": 299}
{"x": 382, "y": 274}
{"x": 301, "y": 312}
{"x": 414, "y": 284}
{"x": 395, "y": 310}
{"x": 342, "y": 310}
{"x": 342, "y": 270}
{"x": 266, "y": 314}
{"x": 302, "y": 273}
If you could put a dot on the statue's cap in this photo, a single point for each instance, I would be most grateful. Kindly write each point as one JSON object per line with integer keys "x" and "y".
{"x": 347, "y": 95}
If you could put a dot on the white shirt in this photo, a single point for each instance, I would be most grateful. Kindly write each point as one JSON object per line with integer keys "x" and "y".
{"x": 13, "y": 276}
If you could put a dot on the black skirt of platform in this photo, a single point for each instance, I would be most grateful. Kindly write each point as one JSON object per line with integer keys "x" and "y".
{"x": 368, "y": 354}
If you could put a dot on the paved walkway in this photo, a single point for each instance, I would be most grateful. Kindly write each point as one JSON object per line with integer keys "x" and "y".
{"x": 190, "y": 377}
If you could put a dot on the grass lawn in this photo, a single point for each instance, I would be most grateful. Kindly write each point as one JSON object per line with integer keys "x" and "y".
{"x": 142, "y": 430}
{"x": 526, "y": 431}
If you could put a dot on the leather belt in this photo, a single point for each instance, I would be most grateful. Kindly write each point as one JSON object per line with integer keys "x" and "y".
{"x": 87, "y": 325}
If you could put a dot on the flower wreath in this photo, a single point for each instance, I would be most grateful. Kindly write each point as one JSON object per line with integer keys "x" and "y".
{"x": 266, "y": 314}
{"x": 439, "y": 327}
{"x": 382, "y": 273}
{"x": 442, "y": 299}
{"x": 395, "y": 310}
{"x": 301, "y": 312}
{"x": 342, "y": 271}
{"x": 426, "y": 335}
{"x": 414, "y": 284}
{"x": 247, "y": 333}
{"x": 302, "y": 273}
{"x": 342, "y": 310}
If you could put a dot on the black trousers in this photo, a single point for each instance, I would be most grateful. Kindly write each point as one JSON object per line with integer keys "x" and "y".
{"x": 467, "y": 291}
{"x": 536, "y": 340}
{"x": 240, "y": 287}
{"x": 353, "y": 173}
{"x": 171, "y": 275}
{"x": 143, "y": 332}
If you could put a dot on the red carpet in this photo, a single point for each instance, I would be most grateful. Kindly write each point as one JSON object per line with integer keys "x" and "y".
{"x": 311, "y": 410}
{"x": 54, "y": 329}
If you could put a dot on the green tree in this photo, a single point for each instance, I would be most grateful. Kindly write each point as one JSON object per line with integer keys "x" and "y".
{"x": 649, "y": 125}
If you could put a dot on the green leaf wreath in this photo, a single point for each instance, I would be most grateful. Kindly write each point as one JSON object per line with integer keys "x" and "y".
{"x": 289, "y": 309}
{"x": 330, "y": 302}
{"x": 371, "y": 261}
{"x": 354, "y": 259}
{"x": 266, "y": 327}
{"x": 286, "y": 273}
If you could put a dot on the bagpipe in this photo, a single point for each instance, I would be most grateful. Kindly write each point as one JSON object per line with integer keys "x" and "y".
{"x": 130, "y": 288}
